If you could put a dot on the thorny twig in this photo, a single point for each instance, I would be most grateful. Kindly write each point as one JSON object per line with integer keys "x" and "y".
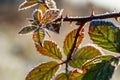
{"x": 89, "y": 18}
{"x": 82, "y": 21}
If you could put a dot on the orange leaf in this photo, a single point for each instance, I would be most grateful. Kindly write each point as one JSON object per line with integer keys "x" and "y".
{"x": 51, "y": 15}
{"x": 43, "y": 7}
{"x": 37, "y": 15}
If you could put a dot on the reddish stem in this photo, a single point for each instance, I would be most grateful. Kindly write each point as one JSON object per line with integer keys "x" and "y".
{"x": 118, "y": 57}
{"x": 74, "y": 44}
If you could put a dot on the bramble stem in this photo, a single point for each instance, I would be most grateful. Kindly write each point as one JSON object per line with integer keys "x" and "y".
{"x": 76, "y": 37}
{"x": 74, "y": 45}
{"x": 89, "y": 18}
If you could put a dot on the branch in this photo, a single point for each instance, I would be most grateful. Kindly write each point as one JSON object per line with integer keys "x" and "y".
{"x": 89, "y": 18}
{"x": 74, "y": 45}
{"x": 75, "y": 41}
{"x": 83, "y": 21}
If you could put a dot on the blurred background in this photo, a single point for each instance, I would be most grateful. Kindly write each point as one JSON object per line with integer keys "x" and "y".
{"x": 17, "y": 52}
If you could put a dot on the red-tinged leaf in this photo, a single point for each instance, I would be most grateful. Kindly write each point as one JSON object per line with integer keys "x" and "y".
{"x": 51, "y": 15}
{"x": 38, "y": 36}
{"x": 84, "y": 54}
{"x": 43, "y": 7}
{"x": 37, "y": 15}
{"x": 69, "y": 40}
{"x": 50, "y": 49}
{"x": 61, "y": 76}
{"x": 44, "y": 71}
{"x": 27, "y": 29}
{"x": 28, "y": 4}
{"x": 50, "y": 4}
{"x": 105, "y": 34}
{"x": 75, "y": 75}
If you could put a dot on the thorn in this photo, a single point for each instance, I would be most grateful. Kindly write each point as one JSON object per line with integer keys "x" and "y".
{"x": 44, "y": 1}
{"x": 40, "y": 44}
{"x": 61, "y": 17}
{"x": 107, "y": 13}
{"x": 75, "y": 71}
{"x": 115, "y": 10}
{"x": 76, "y": 47}
{"x": 116, "y": 18}
{"x": 48, "y": 34}
{"x": 71, "y": 22}
{"x": 92, "y": 12}
{"x": 67, "y": 15}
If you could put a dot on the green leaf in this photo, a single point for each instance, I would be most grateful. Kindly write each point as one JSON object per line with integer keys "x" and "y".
{"x": 27, "y": 29}
{"x": 61, "y": 76}
{"x": 44, "y": 71}
{"x": 50, "y": 49}
{"x": 28, "y": 4}
{"x": 82, "y": 55}
{"x": 105, "y": 34}
{"x": 97, "y": 60}
{"x": 69, "y": 40}
{"x": 75, "y": 75}
{"x": 38, "y": 36}
{"x": 104, "y": 58}
{"x": 99, "y": 71}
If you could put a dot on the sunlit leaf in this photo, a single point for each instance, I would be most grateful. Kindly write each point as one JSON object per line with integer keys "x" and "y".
{"x": 69, "y": 40}
{"x": 96, "y": 60}
{"x": 75, "y": 75}
{"x": 37, "y": 15}
{"x": 61, "y": 76}
{"x": 44, "y": 71}
{"x": 28, "y": 4}
{"x": 99, "y": 59}
{"x": 105, "y": 34}
{"x": 50, "y": 4}
{"x": 109, "y": 58}
{"x": 51, "y": 15}
{"x": 54, "y": 27}
{"x": 84, "y": 54}
{"x": 100, "y": 71}
{"x": 27, "y": 29}
{"x": 38, "y": 36}
{"x": 50, "y": 49}
{"x": 43, "y": 7}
